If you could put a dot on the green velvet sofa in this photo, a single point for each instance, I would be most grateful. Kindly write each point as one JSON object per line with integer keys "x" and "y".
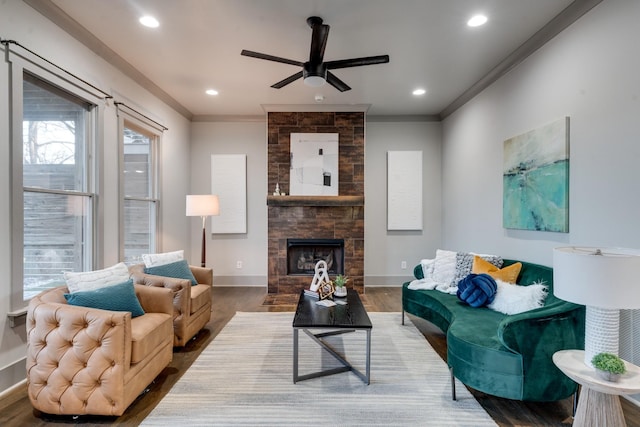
{"x": 503, "y": 355}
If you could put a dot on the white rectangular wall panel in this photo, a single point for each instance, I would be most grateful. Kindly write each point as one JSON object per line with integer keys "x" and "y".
{"x": 404, "y": 190}
{"x": 229, "y": 182}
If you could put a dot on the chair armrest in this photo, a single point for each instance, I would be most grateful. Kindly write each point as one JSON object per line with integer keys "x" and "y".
{"x": 181, "y": 289}
{"x": 554, "y": 327}
{"x": 203, "y": 275}
{"x": 155, "y": 299}
{"x": 79, "y": 345}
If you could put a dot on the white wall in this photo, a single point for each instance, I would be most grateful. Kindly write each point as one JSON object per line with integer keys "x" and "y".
{"x": 385, "y": 250}
{"x": 224, "y": 250}
{"x": 21, "y": 23}
{"x": 589, "y": 73}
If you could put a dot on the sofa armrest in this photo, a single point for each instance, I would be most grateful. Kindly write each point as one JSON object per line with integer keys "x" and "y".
{"x": 554, "y": 327}
{"x": 155, "y": 299}
{"x": 203, "y": 275}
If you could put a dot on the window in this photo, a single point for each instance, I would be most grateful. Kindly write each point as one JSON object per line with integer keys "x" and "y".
{"x": 139, "y": 177}
{"x": 57, "y": 199}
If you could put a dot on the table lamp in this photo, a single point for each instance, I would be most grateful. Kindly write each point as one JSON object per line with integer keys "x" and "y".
{"x": 203, "y": 205}
{"x": 605, "y": 280}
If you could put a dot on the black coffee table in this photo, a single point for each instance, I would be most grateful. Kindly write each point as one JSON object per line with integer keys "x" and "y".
{"x": 336, "y": 320}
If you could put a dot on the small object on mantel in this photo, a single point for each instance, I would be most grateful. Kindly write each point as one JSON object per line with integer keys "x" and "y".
{"x": 276, "y": 192}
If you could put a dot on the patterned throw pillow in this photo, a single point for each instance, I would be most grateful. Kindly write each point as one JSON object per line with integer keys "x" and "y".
{"x": 464, "y": 264}
{"x": 154, "y": 260}
{"x": 119, "y": 297}
{"x": 90, "y": 280}
{"x": 178, "y": 270}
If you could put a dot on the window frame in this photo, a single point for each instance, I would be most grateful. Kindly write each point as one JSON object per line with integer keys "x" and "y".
{"x": 19, "y": 65}
{"x": 131, "y": 119}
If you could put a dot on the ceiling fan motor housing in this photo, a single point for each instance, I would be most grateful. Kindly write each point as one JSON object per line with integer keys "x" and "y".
{"x": 314, "y": 74}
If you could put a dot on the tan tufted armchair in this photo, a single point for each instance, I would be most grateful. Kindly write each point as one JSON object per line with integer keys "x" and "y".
{"x": 85, "y": 361}
{"x": 191, "y": 303}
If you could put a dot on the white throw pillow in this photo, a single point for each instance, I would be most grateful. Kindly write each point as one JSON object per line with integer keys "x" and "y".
{"x": 154, "y": 260}
{"x": 427, "y": 268}
{"x": 514, "y": 299}
{"x": 90, "y": 280}
{"x": 444, "y": 266}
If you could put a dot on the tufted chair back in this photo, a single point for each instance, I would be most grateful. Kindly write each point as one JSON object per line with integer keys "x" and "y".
{"x": 79, "y": 359}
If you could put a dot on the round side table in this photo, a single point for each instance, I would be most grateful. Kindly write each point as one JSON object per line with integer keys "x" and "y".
{"x": 599, "y": 401}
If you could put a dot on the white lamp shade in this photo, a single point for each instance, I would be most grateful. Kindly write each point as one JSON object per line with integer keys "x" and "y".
{"x": 604, "y": 278}
{"x": 202, "y": 205}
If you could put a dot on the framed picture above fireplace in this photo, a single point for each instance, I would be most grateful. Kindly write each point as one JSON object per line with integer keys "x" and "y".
{"x": 314, "y": 164}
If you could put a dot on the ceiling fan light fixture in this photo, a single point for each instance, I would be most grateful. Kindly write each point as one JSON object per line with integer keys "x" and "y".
{"x": 314, "y": 81}
{"x": 314, "y": 75}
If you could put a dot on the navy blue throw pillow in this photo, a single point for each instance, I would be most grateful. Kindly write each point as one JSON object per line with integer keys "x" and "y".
{"x": 120, "y": 297}
{"x": 477, "y": 290}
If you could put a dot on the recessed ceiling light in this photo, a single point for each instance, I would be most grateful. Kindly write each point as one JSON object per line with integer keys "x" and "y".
{"x": 477, "y": 20}
{"x": 419, "y": 92}
{"x": 149, "y": 21}
{"x": 211, "y": 92}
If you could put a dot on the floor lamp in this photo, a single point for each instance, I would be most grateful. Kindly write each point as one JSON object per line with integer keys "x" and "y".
{"x": 605, "y": 280}
{"x": 203, "y": 205}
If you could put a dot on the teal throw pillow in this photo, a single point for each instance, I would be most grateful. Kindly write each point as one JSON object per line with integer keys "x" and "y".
{"x": 120, "y": 297}
{"x": 178, "y": 270}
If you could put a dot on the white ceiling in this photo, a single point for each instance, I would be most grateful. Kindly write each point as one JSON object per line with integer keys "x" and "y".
{"x": 198, "y": 44}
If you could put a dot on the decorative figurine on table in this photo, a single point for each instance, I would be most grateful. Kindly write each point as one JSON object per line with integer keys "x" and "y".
{"x": 321, "y": 284}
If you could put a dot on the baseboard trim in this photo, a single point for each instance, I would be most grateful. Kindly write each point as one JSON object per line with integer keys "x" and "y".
{"x": 12, "y": 376}
{"x": 385, "y": 281}
{"x": 247, "y": 281}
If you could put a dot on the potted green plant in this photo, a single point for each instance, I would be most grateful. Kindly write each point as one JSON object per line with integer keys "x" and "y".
{"x": 340, "y": 283}
{"x": 608, "y": 366}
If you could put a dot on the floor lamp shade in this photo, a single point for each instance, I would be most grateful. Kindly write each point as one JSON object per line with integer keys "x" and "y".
{"x": 203, "y": 205}
{"x": 603, "y": 279}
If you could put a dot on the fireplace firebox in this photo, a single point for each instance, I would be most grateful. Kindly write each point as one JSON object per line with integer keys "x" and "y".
{"x": 303, "y": 254}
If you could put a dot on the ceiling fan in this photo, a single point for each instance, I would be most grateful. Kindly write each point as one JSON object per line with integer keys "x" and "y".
{"x": 315, "y": 72}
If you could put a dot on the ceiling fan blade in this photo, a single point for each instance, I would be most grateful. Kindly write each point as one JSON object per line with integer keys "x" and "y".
{"x": 290, "y": 79}
{"x": 336, "y": 82}
{"x": 318, "y": 43}
{"x": 270, "y": 57}
{"x": 357, "y": 62}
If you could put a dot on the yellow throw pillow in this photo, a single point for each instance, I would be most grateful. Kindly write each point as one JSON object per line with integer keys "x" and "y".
{"x": 507, "y": 274}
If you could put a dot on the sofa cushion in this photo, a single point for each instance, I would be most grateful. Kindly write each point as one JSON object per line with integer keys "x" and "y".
{"x": 200, "y": 296}
{"x": 89, "y": 280}
{"x": 508, "y": 274}
{"x": 178, "y": 270}
{"x": 147, "y": 333}
{"x": 120, "y": 297}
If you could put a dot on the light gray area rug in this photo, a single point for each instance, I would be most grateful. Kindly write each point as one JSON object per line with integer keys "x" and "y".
{"x": 244, "y": 377}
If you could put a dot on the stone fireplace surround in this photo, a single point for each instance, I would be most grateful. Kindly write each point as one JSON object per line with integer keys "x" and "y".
{"x": 315, "y": 217}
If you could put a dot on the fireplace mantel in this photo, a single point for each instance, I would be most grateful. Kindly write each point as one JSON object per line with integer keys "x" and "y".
{"x": 315, "y": 200}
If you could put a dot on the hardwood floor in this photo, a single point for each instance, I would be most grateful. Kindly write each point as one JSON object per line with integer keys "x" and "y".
{"x": 16, "y": 410}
